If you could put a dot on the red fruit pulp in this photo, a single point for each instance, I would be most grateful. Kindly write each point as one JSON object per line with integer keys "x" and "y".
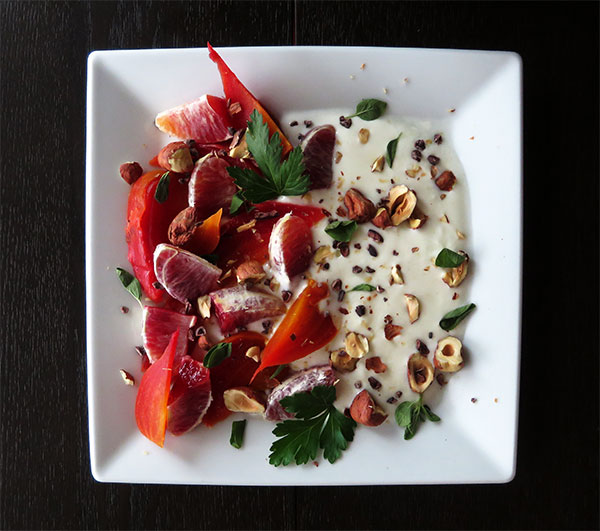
{"x": 148, "y": 224}
{"x": 190, "y": 396}
{"x": 317, "y": 151}
{"x": 290, "y": 246}
{"x": 159, "y": 324}
{"x": 152, "y": 396}
{"x": 237, "y": 247}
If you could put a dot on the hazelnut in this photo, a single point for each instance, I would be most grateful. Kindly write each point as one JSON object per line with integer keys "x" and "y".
{"x": 401, "y": 203}
{"x": 445, "y": 181}
{"x": 240, "y": 150}
{"x": 382, "y": 219}
{"x": 413, "y": 172}
{"x": 391, "y": 331}
{"x": 183, "y": 226}
{"x": 456, "y": 275}
{"x": 176, "y": 157}
{"x": 365, "y": 411}
{"x": 417, "y": 219}
{"x": 375, "y": 364}
{"x": 128, "y": 379}
{"x": 250, "y": 271}
{"x": 363, "y": 136}
{"x": 396, "y": 275}
{"x": 253, "y": 353}
{"x": 420, "y": 373}
{"x": 247, "y": 226}
{"x": 357, "y": 345}
{"x": 378, "y": 164}
{"x": 448, "y": 355}
{"x": 412, "y": 307}
{"x": 244, "y": 400}
{"x": 460, "y": 235}
{"x": 360, "y": 209}
{"x": 322, "y": 254}
{"x": 341, "y": 361}
{"x": 338, "y": 156}
{"x": 130, "y": 171}
{"x": 204, "y": 304}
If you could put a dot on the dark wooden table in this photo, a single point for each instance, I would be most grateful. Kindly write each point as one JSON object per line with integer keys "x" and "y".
{"x": 45, "y": 479}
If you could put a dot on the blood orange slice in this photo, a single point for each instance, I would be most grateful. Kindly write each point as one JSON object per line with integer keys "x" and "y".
{"x": 317, "y": 149}
{"x": 290, "y": 247}
{"x": 211, "y": 187}
{"x": 206, "y": 120}
{"x": 184, "y": 275}
{"x": 190, "y": 396}
{"x": 159, "y": 325}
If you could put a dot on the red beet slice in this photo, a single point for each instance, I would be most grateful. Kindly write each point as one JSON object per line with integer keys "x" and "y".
{"x": 290, "y": 247}
{"x": 184, "y": 275}
{"x": 206, "y": 120}
{"x": 298, "y": 383}
{"x": 190, "y": 396}
{"x": 238, "y": 306}
{"x": 317, "y": 148}
{"x": 159, "y": 325}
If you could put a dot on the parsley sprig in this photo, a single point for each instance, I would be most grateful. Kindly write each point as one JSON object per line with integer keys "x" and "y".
{"x": 318, "y": 424}
{"x": 410, "y": 414}
{"x": 279, "y": 178}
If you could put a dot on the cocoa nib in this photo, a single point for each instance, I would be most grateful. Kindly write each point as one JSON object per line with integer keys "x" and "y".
{"x": 130, "y": 171}
{"x": 360, "y": 209}
{"x": 374, "y": 235}
{"x": 445, "y": 181}
{"x": 422, "y": 347}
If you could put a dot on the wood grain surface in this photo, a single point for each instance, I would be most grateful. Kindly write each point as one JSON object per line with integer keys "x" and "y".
{"x": 45, "y": 480}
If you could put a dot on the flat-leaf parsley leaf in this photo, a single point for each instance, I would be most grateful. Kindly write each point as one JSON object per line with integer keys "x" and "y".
{"x": 318, "y": 424}
{"x": 279, "y": 178}
{"x": 410, "y": 414}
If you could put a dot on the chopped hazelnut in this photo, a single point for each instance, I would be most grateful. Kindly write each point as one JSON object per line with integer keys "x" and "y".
{"x": 244, "y": 400}
{"x": 342, "y": 361}
{"x": 417, "y": 218}
{"x": 204, "y": 304}
{"x": 128, "y": 379}
{"x": 414, "y": 171}
{"x": 363, "y": 135}
{"x": 396, "y": 275}
{"x": 420, "y": 373}
{"x": 412, "y": 307}
{"x": 250, "y": 271}
{"x": 382, "y": 219}
{"x": 322, "y": 254}
{"x": 360, "y": 209}
{"x": 378, "y": 164}
{"x": 375, "y": 364}
{"x": 365, "y": 411}
{"x": 253, "y": 353}
{"x": 401, "y": 203}
{"x": 391, "y": 331}
{"x": 456, "y": 275}
{"x": 338, "y": 156}
{"x": 357, "y": 345}
{"x": 448, "y": 354}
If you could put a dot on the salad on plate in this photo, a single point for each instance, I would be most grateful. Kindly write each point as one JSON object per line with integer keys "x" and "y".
{"x": 310, "y": 272}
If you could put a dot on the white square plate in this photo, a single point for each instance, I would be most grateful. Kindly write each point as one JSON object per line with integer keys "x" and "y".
{"x": 475, "y": 443}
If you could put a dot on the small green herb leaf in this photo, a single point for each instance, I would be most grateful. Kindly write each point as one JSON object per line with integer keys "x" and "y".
{"x": 278, "y": 370}
{"x": 363, "y": 287}
{"x": 410, "y": 414}
{"x": 390, "y": 150}
{"x": 130, "y": 283}
{"x": 369, "y": 109}
{"x": 236, "y": 203}
{"x": 448, "y": 258}
{"x": 318, "y": 424}
{"x": 216, "y": 354}
{"x": 454, "y": 317}
{"x": 237, "y": 433}
{"x": 162, "y": 188}
{"x": 341, "y": 231}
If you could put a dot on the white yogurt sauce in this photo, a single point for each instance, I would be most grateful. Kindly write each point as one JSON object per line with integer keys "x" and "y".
{"x": 421, "y": 277}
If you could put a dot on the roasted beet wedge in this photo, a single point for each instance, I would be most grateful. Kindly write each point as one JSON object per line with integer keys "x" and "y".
{"x": 184, "y": 275}
{"x": 298, "y": 383}
{"x": 290, "y": 247}
{"x": 317, "y": 149}
{"x": 159, "y": 325}
{"x": 190, "y": 396}
{"x": 206, "y": 120}
{"x": 239, "y": 305}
